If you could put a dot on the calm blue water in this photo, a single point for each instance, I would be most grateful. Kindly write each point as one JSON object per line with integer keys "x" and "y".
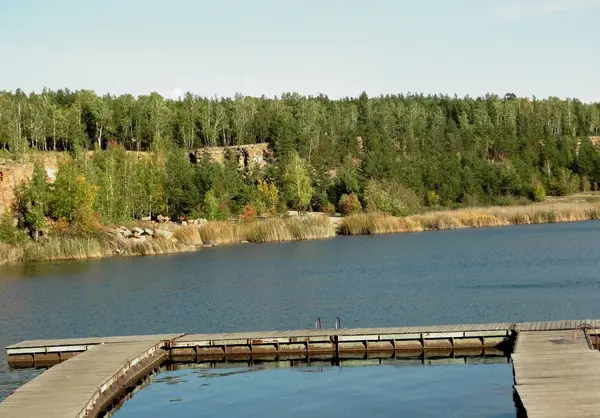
{"x": 524, "y": 273}
{"x": 371, "y": 391}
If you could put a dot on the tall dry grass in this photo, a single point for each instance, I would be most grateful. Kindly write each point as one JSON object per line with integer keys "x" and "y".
{"x": 295, "y": 228}
{"x": 220, "y": 232}
{"x": 290, "y": 229}
{"x": 378, "y": 223}
{"x": 156, "y": 246}
{"x": 10, "y": 253}
{"x": 67, "y": 248}
{"x": 268, "y": 230}
{"x": 79, "y": 248}
{"x": 188, "y": 235}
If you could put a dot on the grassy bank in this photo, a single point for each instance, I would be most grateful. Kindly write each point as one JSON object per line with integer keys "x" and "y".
{"x": 192, "y": 237}
{"x": 188, "y": 238}
{"x": 80, "y": 248}
{"x": 377, "y": 223}
{"x": 269, "y": 230}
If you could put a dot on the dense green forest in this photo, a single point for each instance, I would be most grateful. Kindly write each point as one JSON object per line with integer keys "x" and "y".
{"x": 394, "y": 153}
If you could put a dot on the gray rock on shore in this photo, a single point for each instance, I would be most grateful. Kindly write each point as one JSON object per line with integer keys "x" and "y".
{"x": 163, "y": 233}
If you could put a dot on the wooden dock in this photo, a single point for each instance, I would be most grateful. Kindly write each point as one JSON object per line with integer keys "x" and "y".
{"x": 84, "y": 385}
{"x": 556, "y": 375}
{"x": 93, "y": 373}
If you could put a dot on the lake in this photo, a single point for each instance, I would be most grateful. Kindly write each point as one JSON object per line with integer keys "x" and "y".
{"x": 509, "y": 274}
{"x": 389, "y": 390}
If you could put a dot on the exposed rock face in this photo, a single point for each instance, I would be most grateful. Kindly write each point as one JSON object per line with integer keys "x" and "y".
{"x": 13, "y": 173}
{"x": 246, "y": 155}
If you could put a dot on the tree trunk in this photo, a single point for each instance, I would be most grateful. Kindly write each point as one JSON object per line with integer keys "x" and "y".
{"x": 54, "y": 133}
{"x": 100, "y": 138}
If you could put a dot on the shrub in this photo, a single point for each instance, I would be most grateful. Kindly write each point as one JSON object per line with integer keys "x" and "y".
{"x": 31, "y": 202}
{"x": 328, "y": 208}
{"x": 268, "y": 197}
{"x": 585, "y": 185}
{"x": 211, "y": 206}
{"x": 249, "y": 213}
{"x": 349, "y": 204}
{"x": 392, "y": 198}
{"x": 9, "y": 233}
{"x": 538, "y": 192}
{"x": 297, "y": 181}
{"x": 432, "y": 199}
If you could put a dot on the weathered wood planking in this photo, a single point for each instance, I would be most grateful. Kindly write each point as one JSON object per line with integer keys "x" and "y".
{"x": 181, "y": 339}
{"x": 556, "y": 375}
{"x": 358, "y": 332}
{"x": 89, "y": 341}
{"x": 74, "y": 388}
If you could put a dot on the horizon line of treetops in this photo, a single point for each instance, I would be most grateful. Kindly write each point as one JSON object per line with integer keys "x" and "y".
{"x": 64, "y": 119}
{"x": 393, "y": 153}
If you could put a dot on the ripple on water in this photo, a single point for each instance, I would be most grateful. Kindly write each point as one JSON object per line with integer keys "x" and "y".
{"x": 483, "y": 390}
{"x": 512, "y": 274}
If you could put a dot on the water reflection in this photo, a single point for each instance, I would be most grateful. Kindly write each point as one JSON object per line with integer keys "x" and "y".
{"x": 483, "y": 390}
{"x": 64, "y": 269}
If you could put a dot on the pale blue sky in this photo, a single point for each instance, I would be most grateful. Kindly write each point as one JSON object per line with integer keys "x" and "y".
{"x": 337, "y": 47}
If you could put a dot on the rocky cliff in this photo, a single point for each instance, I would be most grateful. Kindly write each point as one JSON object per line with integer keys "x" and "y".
{"x": 246, "y": 155}
{"x": 13, "y": 173}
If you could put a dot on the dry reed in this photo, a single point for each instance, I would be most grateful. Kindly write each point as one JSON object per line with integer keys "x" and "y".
{"x": 188, "y": 235}
{"x": 290, "y": 229}
{"x": 268, "y": 230}
{"x": 67, "y": 248}
{"x": 221, "y": 233}
{"x": 377, "y": 223}
{"x": 295, "y": 228}
{"x": 10, "y": 253}
{"x": 156, "y": 246}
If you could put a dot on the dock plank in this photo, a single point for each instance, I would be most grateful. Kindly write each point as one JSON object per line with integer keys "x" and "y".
{"x": 94, "y": 340}
{"x": 190, "y": 338}
{"x": 67, "y": 389}
{"x": 556, "y": 375}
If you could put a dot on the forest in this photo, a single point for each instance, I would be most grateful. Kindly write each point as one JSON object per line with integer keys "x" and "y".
{"x": 399, "y": 154}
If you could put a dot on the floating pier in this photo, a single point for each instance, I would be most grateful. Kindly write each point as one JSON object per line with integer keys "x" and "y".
{"x": 91, "y": 375}
{"x": 557, "y": 375}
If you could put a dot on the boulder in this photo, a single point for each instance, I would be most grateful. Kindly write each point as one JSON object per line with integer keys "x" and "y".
{"x": 149, "y": 232}
{"x": 139, "y": 231}
{"x": 120, "y": 238}
{"x": 146, "y": 219}
{"x": 126, "y": 233}
{"x": 163, "y": 233}
{"x": 161, "y": 218}
{"x": 184, "y": 223}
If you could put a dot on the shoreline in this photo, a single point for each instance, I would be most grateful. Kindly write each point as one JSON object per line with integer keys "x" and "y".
{"x": 297, "y": 228}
